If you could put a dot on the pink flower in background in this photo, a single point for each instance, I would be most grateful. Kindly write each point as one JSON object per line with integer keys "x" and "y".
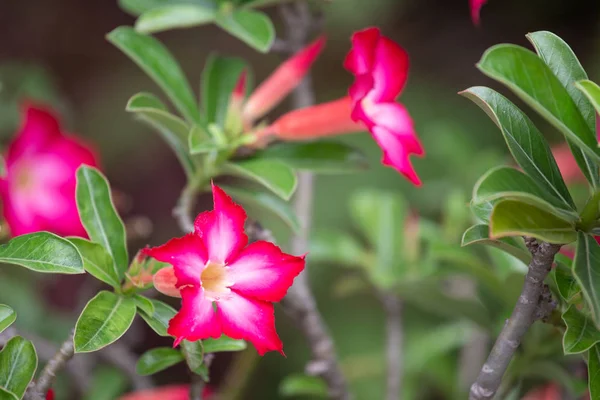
{"x": 215, "y": 266}
{"x": 548, "y": 392}
{"x": 38, "y": 191}
{"x": 567, "y": 165}
{"x": 380, "y": 67}
{"x": 475, "y": 6}
{"x": 170, "y": 392}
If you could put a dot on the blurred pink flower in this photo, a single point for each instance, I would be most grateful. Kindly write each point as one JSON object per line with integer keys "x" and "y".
{"x": 214, "y": 265}
{"x": 476, "y": 10}
{"x": 38, "y": 191}
{"x": 566, "y": 164}
{"x": 170, "y": 392}
{"x": 548, "y": 392}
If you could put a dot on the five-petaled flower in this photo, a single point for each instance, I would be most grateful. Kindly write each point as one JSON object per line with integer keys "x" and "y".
{"x": 38, "y": 191}
{"x": 227, "y": 286}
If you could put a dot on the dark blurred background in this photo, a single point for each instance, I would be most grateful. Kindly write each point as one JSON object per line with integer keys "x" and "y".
{"x": 56, "y": 51}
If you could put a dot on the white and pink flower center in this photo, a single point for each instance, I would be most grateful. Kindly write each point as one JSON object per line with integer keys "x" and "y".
{"x": 215, "y": 281}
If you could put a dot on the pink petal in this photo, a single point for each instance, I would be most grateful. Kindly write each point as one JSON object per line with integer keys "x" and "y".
{"x": 222, "y": 230}
{"x": 170, "y": 392}
{"x": 250, "y": 319}
{"x": 361, "y": 58}
{"x": 362, "y": 85}
{"x": 394, "y": 153}
{"x": 165, "y": 281}
{"x": 196, "y": 319}
{"x": 567, "y": 165}
{"x": 264, "y": 272}
{"x": 395, "y": 118}
{"x": 188, "y": 256}
{"x": 476, "y": 10}
{"x": 390, "y": 71}
{"x": 39, "y": 128}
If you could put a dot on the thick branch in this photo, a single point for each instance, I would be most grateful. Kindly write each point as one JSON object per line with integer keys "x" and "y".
{"x": 55, "y": 364}
{"x": 532, "y": 305}
{"x": 395, "y": 337}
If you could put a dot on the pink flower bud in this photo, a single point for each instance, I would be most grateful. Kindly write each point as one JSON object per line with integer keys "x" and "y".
{"x": 166, "y": 282}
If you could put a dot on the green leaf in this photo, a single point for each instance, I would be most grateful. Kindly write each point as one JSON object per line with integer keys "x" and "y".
{"x": 224, "y": 343}
{"x": 586, "y": 270}
{"x": 42, "y": 252}
{"x": 144, "y": 304}
{"x": 100, "y": 218}
{"x": 103, "y": 321}
{"x": 252, "y": 27}
{"x": 18, "y": 362}
{"x": 138, "y": 7}
{"x": 173, "y": 17}
{"x": 303, "y": 385}
{"x": 515, "y": 218}
{"x": 201, "y": 142}
{"x": 158, "y": 359}
{"x": 156, "y": 60}
{"x": 6, "y": 395}
{"x": 97, "y": 262}
{"x": 535, "y": 83}
{"x": 265, "y": 201}
{"x": 274, "y": 175}
{"x": 565, "y": 282}
{"x": 480, "y": 234}
{"x": 324, "y": 157}
{"x": 7, "y": 317}
{"x": 594, "y": 372}
{"x": 336, "y": 247}
{"x": 194, "y": 355}
{"x": 150, "y": 110}
{"x": 219, "y": 78}
{"x": 562, "y": 61}
{"x": 508, "y": 183}
{"x": 581, "y": 334}
{"x": 526, "y": 144}
{"x": 591, "y": 91}
{"x": 108, "y": 383}
{"x": 159, "y": 320}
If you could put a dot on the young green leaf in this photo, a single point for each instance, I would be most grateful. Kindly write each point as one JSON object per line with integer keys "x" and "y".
{"x": 99, "y": 217}
{"x": 175, "y": 16}
{"x": 97, "y": 262}
{"x": 144, "y": 304}
{"x": 586, "y": 269}
{"x": 581, "y": 334}
{"x": 515, "y": 218}
{"x": 224, "y": 343}
{"x": 219, "y": 79}
{"x": 150, "y": 110}
{"x": 323, "y": 157}
{"x": 594, "y": 372}
{"x": 303, "y": 385}
{"x": 156, "y": 60}
{"x": 480, "y": 234}
{"x": 274, "y": 175}
{"x": 42, "y": 252}
{"x": 6, "y": 395}
{"x": 103, "y": 321}
{"x": 526, "y": 144}
{"x": 252, "y": 27}
{"x": 7, "y": 317}
{"x": 138, "y": 7}
{"x": 18, "y": 362}
{"x": 194, "y": 355}
{"x": 157, "y": 359}
{"x": 159, "y": 319}
{"x": 566, "y": 283}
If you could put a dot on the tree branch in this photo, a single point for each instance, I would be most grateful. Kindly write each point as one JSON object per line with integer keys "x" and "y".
{"x": 395, "y": 338}
{"x": 532, "y": 305}
{"x": 55, "y": 364}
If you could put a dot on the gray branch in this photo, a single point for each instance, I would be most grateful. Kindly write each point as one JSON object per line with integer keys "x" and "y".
{"x": 55, "y": 364}
{"x": 532, "y": 305}
{"x": 395, "y": 338}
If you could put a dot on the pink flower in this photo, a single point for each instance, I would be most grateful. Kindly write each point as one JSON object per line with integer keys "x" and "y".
{"x": 548, "y": 392}
{"x": 227, "y": 286}
{"x": 566, "y": 164}
{"x": 380, "y": 67}
{"x": 38, "y": 191}
{"x": 170, "y": 392}
{"x": 50, "y": 394}
{"x": 475, "y": 6}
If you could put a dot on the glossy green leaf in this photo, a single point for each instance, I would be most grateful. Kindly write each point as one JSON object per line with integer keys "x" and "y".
{"x": 323, "y": 157}
{"x": 480, "y": 234}
{"x": 535, "y": 83}
{"x": 224, "y": 343}
{"x": 103, "y": 321}
{"x": 100, "y": 218}
{"x": 219, "y": 79}
{"x": 144, "y": 304}
{"x": 592, "y": 91}
{"x": 482, "y": 212}
{"x": 265, "y": 201}
{"x": 526, "y": 144}
{"x": 303, "y": 385}
{"x": 566, "y": 283}
{"x": 194, "y": 355}
{"x": 18, "y": 362}
{"x": 173, "y": 17}
{"x": 252, "y": 27}
{"x": 6, "y": 395}
{"x": 336, "y": 247}
{"x": 159, "y": 320}
{"x": 156, "y": 60}
{"x": 97, "y": 261}
{"x": 515, "y": 218}
{"x": 138, "y": 7}
{"x": 150, "y": 110}
{"x": 508, "y": 183}
{"x": 157, "y": 359}
{"x": 7, "y": 317}
{"x": 581, "y": 334}
{"x": 594, "y": 372}
{"x": 563, "y": 62}
{"x": 586, "y": 270}
{"x": 42, "y": 252}
{"x": 274, "y": 175}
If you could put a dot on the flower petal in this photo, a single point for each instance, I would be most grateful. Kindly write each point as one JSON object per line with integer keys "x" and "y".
{"x": 361, "y": 58}
{"x": 39, "y": 128}
{"x": 264, "y": 272}
{"x": 476, "y": 10}
{"x": 165, "y": 281}
{"x": 222, "y": 230}
{"x": 395, "y": 153}
{"x": 188, "y": 256}
{"x": 390, "y": 71}
{"x": 197, "y": 318}
{"x": 250, "y": 319}
{"x": 395, "y": 118}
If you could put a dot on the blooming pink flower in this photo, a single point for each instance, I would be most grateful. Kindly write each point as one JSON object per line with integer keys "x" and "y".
{"x": 475, "y": 6}
{"x": 170, "y": 392}
{"x": 227, "y": 286}
{"x": 380, "y": 67}
{"x": 38, "y": 191}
